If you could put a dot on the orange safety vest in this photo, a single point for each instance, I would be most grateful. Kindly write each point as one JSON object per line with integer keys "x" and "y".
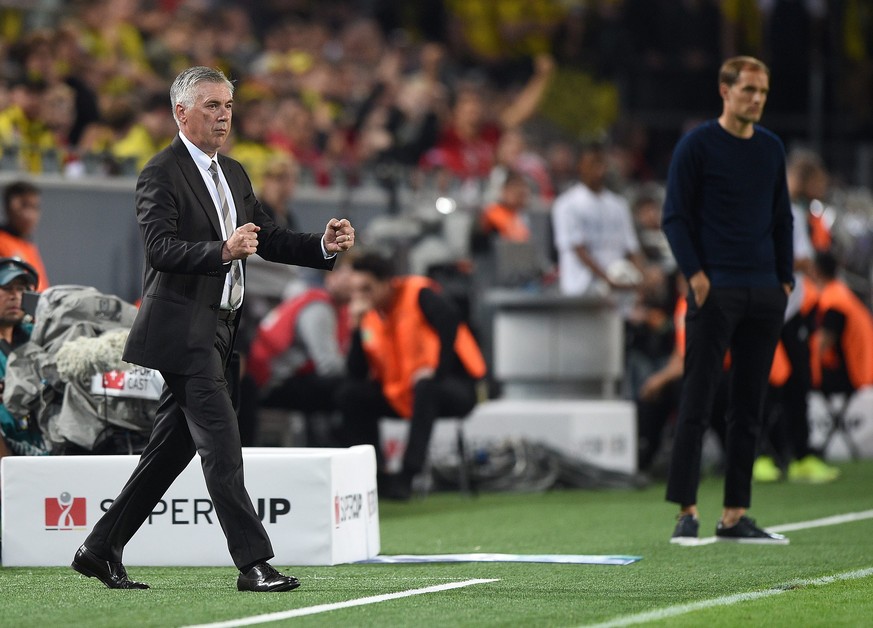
{"x": 856, "y": 341}
{"x": 819, "y": 234}
{"x": 13, "y": 246}
{"x": 401, "y": 342}
{"x": 780, "y": 370}
{"x": 504, "y": 221}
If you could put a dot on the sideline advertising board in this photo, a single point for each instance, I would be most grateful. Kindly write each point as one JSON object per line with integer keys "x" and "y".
{"x": 319, "y": 507}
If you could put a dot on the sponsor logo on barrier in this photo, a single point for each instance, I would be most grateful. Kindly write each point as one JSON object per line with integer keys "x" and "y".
{"x": 65, "y": 512}
{"x": 347, "y": 507}
{"x": 184, "y": 511}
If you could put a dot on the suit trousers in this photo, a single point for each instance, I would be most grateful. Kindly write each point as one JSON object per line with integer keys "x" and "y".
{"x": 195, "y": 413}
{"x": 748, "y": 322}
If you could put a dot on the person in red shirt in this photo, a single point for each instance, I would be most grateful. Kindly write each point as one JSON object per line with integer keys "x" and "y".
{"x": 467, "y": 146}
{"x": 297, "y": 357}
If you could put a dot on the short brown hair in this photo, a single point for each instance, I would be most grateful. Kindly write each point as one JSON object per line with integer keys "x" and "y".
{"x": 730, "y": 69}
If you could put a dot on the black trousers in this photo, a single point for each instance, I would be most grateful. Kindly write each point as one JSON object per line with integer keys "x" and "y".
{"x": 195, "y": 413}
{"x": 747, "y": 321}
{"x": 786, "y": 414}
{"x": 362, "y": 404}
{"x": 316, "y": 397}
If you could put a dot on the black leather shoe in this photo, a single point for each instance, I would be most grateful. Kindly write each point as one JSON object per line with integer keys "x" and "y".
{"x": 262, "y": 577}
{"x": 113, "y": 575}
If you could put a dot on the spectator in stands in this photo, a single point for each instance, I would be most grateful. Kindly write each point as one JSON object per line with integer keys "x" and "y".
{"x": 467, "y": 145}
{"x": 593, "y": 230}
{"x": 514, "y": 155}
{"x": 59, "y": 116}
{"x": 299, "y": 132}
{"x": 808, "y": 185}
{"x": 22, "y": 204}
{"x": 277, "y": 190}
{"x": 256, "y": 110}
{"x": 646, "y": 209}
{"x": 398, "y": 122}
{"x": 18, "y": 435}
{"x": 500, "y": 37}
{"x": 505, "y": 218}
{"x": 298, "y": 354}
{"x": 99, "y": 139}
{"x": 411, "y": 357}
{"x": 128, "y": 134}
{"x": 24, "y": 136}
{"x": 561, "y": 162}
{"x": 728, "y": 219}
{"x": 151, "y": 130}
{"x": 56, "y": 58}
{"x": 108, "y": 34}
{"x": 842, "y": 346}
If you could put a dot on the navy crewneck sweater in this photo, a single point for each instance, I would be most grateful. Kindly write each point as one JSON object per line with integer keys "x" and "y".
{"x": 727, "y": 210}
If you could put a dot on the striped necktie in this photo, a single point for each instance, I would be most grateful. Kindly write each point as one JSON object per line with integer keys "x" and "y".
{"x": 235, "y": 273}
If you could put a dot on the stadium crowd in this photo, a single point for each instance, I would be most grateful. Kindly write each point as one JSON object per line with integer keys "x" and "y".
{"x": 489, "y": 101}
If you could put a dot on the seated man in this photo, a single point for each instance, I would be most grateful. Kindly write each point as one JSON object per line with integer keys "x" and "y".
{"x": 411, "y": 356}
{"x": 842, "y": 346}
{"x": 297, "y": 357}
{"x": 20, "y": 435}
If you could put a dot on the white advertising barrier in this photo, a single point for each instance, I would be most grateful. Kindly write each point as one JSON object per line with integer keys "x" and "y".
{"x": 857, "y": 431}
{"x": 319, "y": 507}
{"x": 600, "y": 432}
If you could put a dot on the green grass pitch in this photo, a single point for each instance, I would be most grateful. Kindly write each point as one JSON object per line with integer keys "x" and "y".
{"x": 745, "y": 579}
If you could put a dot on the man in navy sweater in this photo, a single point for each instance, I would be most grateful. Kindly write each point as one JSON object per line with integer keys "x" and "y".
{"x": 728, "y": 219}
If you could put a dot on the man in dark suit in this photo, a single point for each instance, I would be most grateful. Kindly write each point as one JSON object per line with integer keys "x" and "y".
{"x": 199, "y": 221}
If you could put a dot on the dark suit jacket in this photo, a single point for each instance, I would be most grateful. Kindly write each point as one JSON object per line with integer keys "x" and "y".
{"x": 184, "y": 276}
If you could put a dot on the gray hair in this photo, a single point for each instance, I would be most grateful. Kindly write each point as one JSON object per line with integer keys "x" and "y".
{"x": 184, "y": 89}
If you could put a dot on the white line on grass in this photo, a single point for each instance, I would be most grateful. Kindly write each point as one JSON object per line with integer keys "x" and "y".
{"x": 728, "y": 600}
{"x": 791, "y": 527}
{"x": 325, "y": 608}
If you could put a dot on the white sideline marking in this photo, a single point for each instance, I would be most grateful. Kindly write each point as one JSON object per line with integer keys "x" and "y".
{"x": 825, "y": 521}
{"x": 728, "y": 600}
{"x": 790, "y": 527}
{"x": 325, "y": 608}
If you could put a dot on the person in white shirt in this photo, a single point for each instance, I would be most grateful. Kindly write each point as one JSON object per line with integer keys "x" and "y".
{"x": 594, "y": 232}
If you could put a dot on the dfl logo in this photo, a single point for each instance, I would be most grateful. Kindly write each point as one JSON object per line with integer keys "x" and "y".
{"x": 65, "y": 512}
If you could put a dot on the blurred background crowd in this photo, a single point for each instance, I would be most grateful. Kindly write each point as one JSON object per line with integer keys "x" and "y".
{"x": 447, "y": 93}
{"x": 481, "y": 107}
{"x": 349, "y": 88}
